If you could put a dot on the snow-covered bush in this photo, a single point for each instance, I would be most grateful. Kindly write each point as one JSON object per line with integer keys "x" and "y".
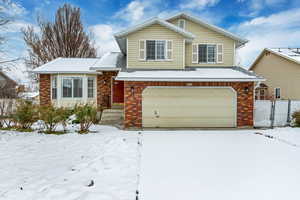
{"x": 86, "y": 115}
{"x": 296, "y": 118}
{"x": 26, "y": 114}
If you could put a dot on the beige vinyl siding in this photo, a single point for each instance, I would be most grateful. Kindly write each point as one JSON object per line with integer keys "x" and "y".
{"x": 70, "y": 102}
{"x": 205, "y": 35}
{"x": 155, "y": 32}
{"x": 189, "y": 107}
{"x": 279, "y": 72}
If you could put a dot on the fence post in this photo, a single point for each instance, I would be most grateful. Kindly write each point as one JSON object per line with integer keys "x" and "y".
{"x": 273, "y": 105}
{"x": 289, "y": 113}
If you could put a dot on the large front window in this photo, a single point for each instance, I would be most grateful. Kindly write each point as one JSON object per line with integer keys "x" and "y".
{"x": 72, "y": 87}
{"x": 155, "y": 49}
{"x": 207, "y": 53}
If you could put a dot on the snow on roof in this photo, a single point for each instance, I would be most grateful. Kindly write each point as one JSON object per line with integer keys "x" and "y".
{"x": 192, "y": 74}
{"x": 120, "y": 36}
{"x": 292, "y": 53}
{"x": 241, "y": 41}
{"x": 67, "y": 65}
{"x": 109, "y": 61}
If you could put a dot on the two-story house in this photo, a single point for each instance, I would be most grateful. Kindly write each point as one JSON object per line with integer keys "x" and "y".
{"x": 174, "y": 72}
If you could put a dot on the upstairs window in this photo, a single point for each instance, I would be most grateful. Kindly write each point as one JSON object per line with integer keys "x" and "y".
{"x": 155, "y": 50}
{"x": 54, "y": 87}
{"x": 181, "y": 23}
{"x": 207, "y": 53}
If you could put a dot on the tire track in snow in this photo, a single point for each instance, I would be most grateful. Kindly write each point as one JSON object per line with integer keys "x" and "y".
{"x": 278, "y": 139}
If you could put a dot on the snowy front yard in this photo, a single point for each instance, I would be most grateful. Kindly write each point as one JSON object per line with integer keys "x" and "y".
{"x": 40, "y": 167}
{"x": 235, "y": 165}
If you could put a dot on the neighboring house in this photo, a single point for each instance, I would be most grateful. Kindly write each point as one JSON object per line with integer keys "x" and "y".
{"x": 281, "y": 68}
{"x": 175, "y": 72}
{"x": 8, "y": 87}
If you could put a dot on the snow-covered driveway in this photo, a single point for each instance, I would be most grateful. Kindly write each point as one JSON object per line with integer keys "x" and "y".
{"x": 213, "y": 165}
{"x": 99, "y": 165}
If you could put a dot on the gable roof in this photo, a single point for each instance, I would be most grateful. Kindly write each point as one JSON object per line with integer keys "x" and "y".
{"x": 241, "y": 41}
{"x": 292, "y": 54}
{"x": 67, "y": 65}
{"x": 120, "y": 36}
{"x": 7, "y": 77}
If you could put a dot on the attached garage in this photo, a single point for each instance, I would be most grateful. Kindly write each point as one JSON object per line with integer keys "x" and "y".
{"x": 189, "y": 107}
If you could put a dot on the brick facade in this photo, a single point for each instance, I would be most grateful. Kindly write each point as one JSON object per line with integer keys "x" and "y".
{"x": 104, "y": 88}
{"x": 133, "y": 102}
{"x": 45, "y": 89}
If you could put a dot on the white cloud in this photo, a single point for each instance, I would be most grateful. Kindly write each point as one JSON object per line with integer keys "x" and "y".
{"x": 255, "y": 6}
{"x": 104, "y": 39}
{"x": 12, "y": 9}
{"x": 277, "y": 30}
{"x": 198, "y": 4}
{"x": 133, "y": 12}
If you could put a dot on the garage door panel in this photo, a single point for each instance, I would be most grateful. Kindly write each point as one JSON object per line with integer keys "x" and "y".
{"x": 188, "y": 107}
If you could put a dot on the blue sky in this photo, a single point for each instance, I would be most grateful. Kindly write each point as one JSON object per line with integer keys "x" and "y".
{"x": 266, "y": 23}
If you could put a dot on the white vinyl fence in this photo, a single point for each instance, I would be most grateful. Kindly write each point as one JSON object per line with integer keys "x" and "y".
{"x": 279, "y": 111}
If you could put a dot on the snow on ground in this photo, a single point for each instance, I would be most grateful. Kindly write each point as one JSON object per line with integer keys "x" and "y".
{"x": 213, "y": 165}
{"x": 231, "y": 164}
{"x": 37, "y": 166}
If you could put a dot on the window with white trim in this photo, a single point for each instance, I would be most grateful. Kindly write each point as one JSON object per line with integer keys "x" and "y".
{"x": 54, "y": 87}
{"x": 277, "y": 93}
{"x": 207, "y": 53}
{"x": 72, "y": 87}
{"x": 155, "y": 50}
{"x": 91, "y": 87}
{"x": 181, "y": 23}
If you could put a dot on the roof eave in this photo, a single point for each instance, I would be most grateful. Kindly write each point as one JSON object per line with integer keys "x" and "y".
{"x": 191, "y": 79}
{"x": 65, "y": 72}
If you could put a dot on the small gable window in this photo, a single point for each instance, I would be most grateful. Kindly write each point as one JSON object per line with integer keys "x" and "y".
{"x": 181, "y": 23}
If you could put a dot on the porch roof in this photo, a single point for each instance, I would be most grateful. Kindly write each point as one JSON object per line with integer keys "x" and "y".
{"x": 191, "y": 74}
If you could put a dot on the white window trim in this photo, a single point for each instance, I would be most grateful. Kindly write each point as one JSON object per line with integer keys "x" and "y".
{"x": 94, "y": 87}
{"x": 183, "y": 23}
{"x": 166, "y": 51}
{"x": 275, "y": 96}
{"x": 217, "y": 56}
{"x": 52, "y": 77}
{"x": 207, "y": 53}
{"x": 72, "y": 95}
{"x": 145, "y": 54}
{"x": 197, "y": 54}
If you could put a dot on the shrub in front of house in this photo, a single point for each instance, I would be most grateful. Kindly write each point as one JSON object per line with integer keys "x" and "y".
{"x": 51, "y": 117}
{"x": 65, "y": 114}
{"x": 25, "y": 115}
{"x": 86, "y": 115}
{"x": 296, "y": 118}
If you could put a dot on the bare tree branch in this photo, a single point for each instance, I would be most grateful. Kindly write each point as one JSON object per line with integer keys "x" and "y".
{"x": 65, "y": 37}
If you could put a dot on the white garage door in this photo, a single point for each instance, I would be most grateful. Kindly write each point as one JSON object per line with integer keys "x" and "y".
{"x": 189, "y": 107}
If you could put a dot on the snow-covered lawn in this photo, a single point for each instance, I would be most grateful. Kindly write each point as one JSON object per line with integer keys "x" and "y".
{"x": 193, "y": 165}
{"x": 215, "y": 165}
{"x": 61, "y": 167}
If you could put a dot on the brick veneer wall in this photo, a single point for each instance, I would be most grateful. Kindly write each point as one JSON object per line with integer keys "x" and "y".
{"x": 133, "y": 103}
{"x": 104, "y": 88}
{"x": 45, "y": 89}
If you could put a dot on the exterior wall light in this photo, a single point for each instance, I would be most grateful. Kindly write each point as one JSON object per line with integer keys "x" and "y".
{"x": 246, "y": 90}
{"x": 132, "y": 90}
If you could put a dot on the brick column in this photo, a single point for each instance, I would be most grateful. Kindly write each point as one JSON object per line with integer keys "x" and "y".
{"x": 104, "y": 89}
{"x": 45, "y": 89}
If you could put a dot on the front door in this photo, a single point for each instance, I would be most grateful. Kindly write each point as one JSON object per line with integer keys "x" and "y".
{"x": 117, "y": 91}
